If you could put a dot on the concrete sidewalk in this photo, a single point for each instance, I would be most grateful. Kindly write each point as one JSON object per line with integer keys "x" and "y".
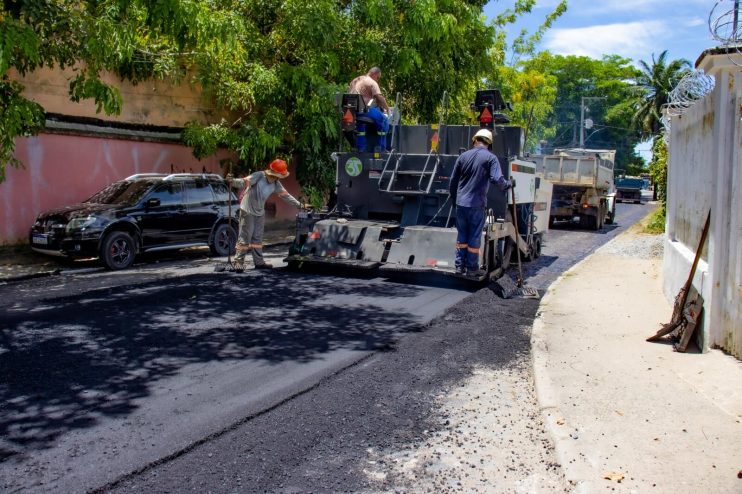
{"x": 627, "y": 415}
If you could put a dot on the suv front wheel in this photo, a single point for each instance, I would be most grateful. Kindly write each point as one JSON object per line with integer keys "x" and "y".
{"x": 118, "y": 250}
{"x": 224, "y": 240}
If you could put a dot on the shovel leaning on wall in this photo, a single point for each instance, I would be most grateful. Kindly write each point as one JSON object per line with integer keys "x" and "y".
{"x": 686, "y": 312}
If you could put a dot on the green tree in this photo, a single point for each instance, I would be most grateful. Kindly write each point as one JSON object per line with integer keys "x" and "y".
{"x": 608, "y": 85}
{"x": 273, "y": 65}
{"x": 295, "y": 55}
{"x": 653, "y": 86}
{"x": 532, "y": 94}
{"x": 136, "y": 39}
{"x": 658, "y": 168}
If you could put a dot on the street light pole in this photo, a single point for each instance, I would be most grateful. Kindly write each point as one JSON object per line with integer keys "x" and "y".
{"x": 582, "y": 117}
{"x": 582, "y": 123}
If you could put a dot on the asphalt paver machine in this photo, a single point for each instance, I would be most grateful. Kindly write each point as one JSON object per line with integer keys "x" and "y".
{"x": 393, "y": 212}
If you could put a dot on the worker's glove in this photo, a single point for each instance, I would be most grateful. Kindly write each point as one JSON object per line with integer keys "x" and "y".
{"x": 511, "y": 185}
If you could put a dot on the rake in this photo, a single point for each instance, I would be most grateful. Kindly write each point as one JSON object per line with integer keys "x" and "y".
{"x": 229, "y": 266}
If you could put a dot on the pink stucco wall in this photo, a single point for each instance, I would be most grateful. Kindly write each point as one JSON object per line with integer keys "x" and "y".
{"x": 65, "y": 169}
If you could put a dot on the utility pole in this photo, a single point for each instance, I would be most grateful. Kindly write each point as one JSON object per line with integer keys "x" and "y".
{"x": 582, "y": 117}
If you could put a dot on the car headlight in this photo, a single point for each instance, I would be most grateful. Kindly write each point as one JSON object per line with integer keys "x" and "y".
{"x": 81, "y": 223}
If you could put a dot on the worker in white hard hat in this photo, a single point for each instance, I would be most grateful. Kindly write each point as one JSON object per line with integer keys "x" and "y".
{"x": 472, "y": 174}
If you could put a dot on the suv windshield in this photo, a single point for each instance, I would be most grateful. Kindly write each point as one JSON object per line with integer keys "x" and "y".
{"x": 121, "y": 193}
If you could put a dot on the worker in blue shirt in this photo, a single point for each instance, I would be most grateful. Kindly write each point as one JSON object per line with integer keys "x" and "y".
{"x": 472, "y": 174}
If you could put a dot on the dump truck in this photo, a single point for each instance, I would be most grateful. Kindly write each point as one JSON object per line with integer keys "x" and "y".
{"x": 393, "y": 212}
{"x": 583, "y": 185}
{"x": 629, "y": 189}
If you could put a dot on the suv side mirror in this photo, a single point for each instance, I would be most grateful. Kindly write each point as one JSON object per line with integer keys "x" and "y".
{"x": 151, "y": 203}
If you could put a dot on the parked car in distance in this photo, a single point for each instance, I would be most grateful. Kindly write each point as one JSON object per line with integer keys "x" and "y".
{"x": 629, "y": 189}
{"x": 143, "y": 213}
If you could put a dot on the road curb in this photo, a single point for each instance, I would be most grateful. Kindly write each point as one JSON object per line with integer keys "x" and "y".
{"x": 545, "y": 388}
{"x": 30, "y": 276}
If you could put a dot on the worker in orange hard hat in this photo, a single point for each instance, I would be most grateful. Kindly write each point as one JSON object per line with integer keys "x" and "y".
{"x": 258, "y": 187}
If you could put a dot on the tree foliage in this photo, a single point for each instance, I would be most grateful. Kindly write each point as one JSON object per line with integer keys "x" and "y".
{"x": 274, "y": 66}
{"x": 294, "y": 56}
{"x": 136, "y": 39}
{"x": 653, "y": 86}
{"x": 607, "y": 86}
{"x": 658, "y": 167}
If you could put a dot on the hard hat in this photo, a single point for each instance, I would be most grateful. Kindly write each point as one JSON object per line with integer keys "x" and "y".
{"x": 484, "y": 134}
{"x": 278, "y": 168}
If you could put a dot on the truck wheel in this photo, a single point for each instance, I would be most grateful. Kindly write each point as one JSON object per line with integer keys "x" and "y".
{"x": 118, "y": 250}
{"x": 609, "y": 218}
{"x": 224, "y": 240}
{"x": 589, "y": 222}
{"x": 593, "y": 223}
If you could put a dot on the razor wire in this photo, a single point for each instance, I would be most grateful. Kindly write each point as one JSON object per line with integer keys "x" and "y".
{"x": 725, "y": 25}
{"x": 692, "y": 87}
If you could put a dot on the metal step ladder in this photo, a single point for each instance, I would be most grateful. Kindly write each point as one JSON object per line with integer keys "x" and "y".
{"x": 426, "y": 175}
{"x": 389, "y": 178}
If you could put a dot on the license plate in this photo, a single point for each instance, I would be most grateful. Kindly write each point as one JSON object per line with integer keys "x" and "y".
{"x": 39, "y": 238}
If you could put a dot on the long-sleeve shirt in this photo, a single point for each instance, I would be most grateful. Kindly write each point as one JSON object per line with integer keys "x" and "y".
{"x": 253, "y": 202}
{"x": 472, "y": 174}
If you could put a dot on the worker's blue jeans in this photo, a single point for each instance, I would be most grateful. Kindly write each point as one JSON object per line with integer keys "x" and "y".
{"x": 469, "y": 224}
{"x": 382, "y": 127}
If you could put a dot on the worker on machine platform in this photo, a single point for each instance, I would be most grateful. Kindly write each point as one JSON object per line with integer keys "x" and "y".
{"x": 472, "y": 174}
{"x": 377, "y": 109}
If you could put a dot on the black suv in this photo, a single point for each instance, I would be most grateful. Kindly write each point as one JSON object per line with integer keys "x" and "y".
{"x": 142, "y": 213}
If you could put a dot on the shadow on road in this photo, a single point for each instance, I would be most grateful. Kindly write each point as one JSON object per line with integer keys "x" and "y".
{"x": 571, "y": 226}
{"x": 67, "y": 362}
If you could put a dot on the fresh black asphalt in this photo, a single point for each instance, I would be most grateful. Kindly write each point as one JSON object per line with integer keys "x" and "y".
{"x": 112, "y": 353}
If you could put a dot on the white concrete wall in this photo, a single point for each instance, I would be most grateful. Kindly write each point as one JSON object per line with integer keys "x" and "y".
{"x": 690, "y": 190}
{"x": 705, "y": 173}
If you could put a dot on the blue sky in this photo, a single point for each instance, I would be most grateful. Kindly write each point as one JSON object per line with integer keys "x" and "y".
{"x": 634, "y": 29}
{"x": 631, "y": 28}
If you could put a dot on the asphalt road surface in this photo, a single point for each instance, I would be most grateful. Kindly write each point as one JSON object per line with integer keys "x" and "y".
{"x": 173, "y": 378}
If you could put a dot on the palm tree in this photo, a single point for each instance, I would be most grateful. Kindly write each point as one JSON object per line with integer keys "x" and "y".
{"x": 654, "y": 85}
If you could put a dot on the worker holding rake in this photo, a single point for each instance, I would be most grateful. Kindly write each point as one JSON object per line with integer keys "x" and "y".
{"x": 259, "y": 186}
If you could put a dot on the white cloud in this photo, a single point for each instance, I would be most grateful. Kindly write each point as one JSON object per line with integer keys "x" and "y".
{"x": 607, "y": 6}
{"x": 634, "y": 40}
{"x": 546, "y": 4}
{"x": 695, "y": 21}
{"x": 660, "y": 7}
